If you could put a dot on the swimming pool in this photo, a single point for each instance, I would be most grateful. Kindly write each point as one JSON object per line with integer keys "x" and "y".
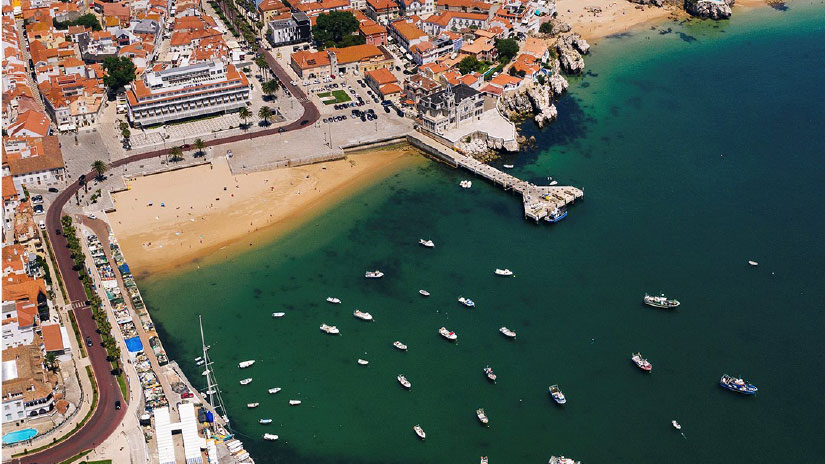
{"x": 18, "y": 435}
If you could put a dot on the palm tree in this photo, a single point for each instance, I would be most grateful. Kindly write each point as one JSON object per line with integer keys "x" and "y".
{"x": 270, "y": 87}
{"x": 265, "y": 114}
{"x": 177, "y": 153}
{"x": 244, "y": 114}
{"x": 100, "y": 167}
{"x": 200, "y": 146}
{"x": 262, "y": 64}
{"x": 50, "y": 362}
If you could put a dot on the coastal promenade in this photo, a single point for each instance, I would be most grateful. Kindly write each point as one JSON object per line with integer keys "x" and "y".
{"x": 106, "y": 418}
{"x": 539, "y": 200}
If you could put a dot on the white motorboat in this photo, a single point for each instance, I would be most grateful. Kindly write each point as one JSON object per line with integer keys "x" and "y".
{"x": 508, "y": 166}
{"x": 676, "y": 425}
{"x": 245, "y": 364}
{"x": 562, "y": 460}
{"x": 507, "y": 332}
{"x": 466, "y": 302}
{"x": 424, "y": 292}
{"x": 198, "y": 359}
{"x": 270, "y": 436}
{"x": 483, "y": 460}
{"x": 376, "y": 274}
{"x": 211, "y": 391}
{"x": 403, "y": 381}
{"x": 200, "y": 363}
{"x": 482, "y": 416}
{"x": 330, "y": 329}
{"x": 252, "y": 405}
{"x": 465, "y": 184}
{"x": 399, "y": 345}
{"x": 753, "y": 263}
{"x": 274, "y": 390}
{"x": 504, "y": 272}
{"x": 555, "y": 182}
{"x": 265, "y": 421}
{"x": 205, "y": 373}
{"x": 294, "y": 402}
{"x": 420, "y": 432}
{"x": 246, "y": 381}
{"x": 426, "y": 243}
{"x": 362, "y": 315}
{"x": 488, "y": 371}
{"x": 363, "y": 362}
{"x": 333, "y": 300}
{"x": 449, "y": 335}
{"x": 277, "y": 315}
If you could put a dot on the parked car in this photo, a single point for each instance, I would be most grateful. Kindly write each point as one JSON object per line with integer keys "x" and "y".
{"x": 38, "y": 209}
{"x": 186, "y": 394}
{"x": 37, "y": 199}
{"x": 117, "y": 404}
{"x": 53, "y": 190}
{"x": 88, "y": 341}
{"x": 42, "y": 225}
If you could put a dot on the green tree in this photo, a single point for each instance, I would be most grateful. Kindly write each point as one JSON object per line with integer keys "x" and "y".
{"x": 263, "y": 66}
{"x": 333, "y": 27}
{"x": 50, "y": 361}
{"x": 265, "y": 114}
{"x": 244, "y": 114}
{"x": 546, "y": 28}
{"x": 269, "y": 88}
{"x": 100, "y": 167}
{"x": 88, "y": 20}
{"x": 119, "y": 72}
{"x": 176, "y": 154}
{"x": 126, "y": 133}
{"x": 469, "y": 64}
{"x": 507, "y": 49}
{"x": 200, "y": 146}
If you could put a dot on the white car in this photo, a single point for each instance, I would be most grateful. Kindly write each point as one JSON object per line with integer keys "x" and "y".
{"x": 42, "y": 225}
{"x": 91, "y": 216}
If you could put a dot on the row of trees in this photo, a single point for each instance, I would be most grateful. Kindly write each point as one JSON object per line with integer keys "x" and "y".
{"x": 88, "y": 20}
{"x": 336, "y": 29}
{"x": 104, "y": 327}
{"x": 265, "y": 114}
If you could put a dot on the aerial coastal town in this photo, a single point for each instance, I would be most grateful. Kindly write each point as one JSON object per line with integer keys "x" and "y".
{"x": 99, "y": 93}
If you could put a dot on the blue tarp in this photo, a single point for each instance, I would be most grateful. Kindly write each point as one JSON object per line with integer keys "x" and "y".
{"x": 124, "y": 268}
{"x": 210, "y": 417}
{"x": 134, "y": 345}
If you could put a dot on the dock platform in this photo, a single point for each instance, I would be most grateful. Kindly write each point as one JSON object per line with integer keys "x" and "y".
{"x": 539, "y": 200}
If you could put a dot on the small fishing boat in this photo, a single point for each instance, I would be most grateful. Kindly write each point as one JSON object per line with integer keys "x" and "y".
{"x": 660, "y": 301}
{"x": 449, "y": 335}
{"x": 753, "y": 263}
{"x": 245, "y": 364}
{"x": 200, "y": 363}
{"x": 330, "y": 329}
{"x": 363, "y": 362}
{"x": 252, "y": 405}
{"x": 333, "y": 300}
{"x": 403, "y": 381}
{"x": 488, "y": 371}
{"x": 508, "y": 166}
{"x": 274, "y": 390}
{"x": 555, "y": 182}
{"x": 426, "y": 243}
{"x": 265, "y": 421}
{"x": 737, "y": 384}
{"x": 556, "y": 215}
{"x": 277, "y": 315}
{"x": 466, "y": 302}
{"x": 270, "y": 436}
{"x": 507, "y": 332}
{"x": 641, "y": 362}
{"x": 676, "y": 425}
{"x": 211, "y": 391}
{"x": 465, "y": 184}
{"x": 374, "y": 274}
{"x": 420, "y": 432}
{"x": 198, "y": 359}
{"x": 246, "y": 381}
{"x": 362, "y": 315}
{"x": 294, "y": 402}
{"x": 562, "y": 460}
{"x": 481, "y": 416}
{"x": 205, "y": 373}
{"x": 504, "y": 272}
{"x": 424, "y": 292}
{"x": 557, "y": 395}
{"x": 399, "y": 345}
{"x": 484, "y": 460}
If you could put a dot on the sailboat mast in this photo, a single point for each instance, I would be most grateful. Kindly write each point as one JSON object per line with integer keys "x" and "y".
{"x": 209, "y": 389}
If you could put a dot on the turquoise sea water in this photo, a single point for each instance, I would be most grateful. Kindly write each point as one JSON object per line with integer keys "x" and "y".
{"x": 698, "y": 150}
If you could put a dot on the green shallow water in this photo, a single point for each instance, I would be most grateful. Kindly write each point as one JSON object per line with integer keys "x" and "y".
{"x": 698, "y": 150}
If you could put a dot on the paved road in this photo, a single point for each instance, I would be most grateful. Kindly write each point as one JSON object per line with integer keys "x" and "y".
{"x": 106, "y": 418}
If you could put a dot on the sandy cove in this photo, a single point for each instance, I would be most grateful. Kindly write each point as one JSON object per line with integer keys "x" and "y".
{"x": 620, "y": 16}
{"x": 167, "y": 220}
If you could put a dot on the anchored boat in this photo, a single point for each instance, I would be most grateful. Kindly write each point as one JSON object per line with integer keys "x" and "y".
{"x": 330, "y": 329}
{"x": 556, "y": 215}
{"x": 507, "y": 332}
{"x": 272, "y": 391}
{"x": 488, "y": 371}
{"x": 252, "y": 405}
{"x": 737, "y": 384}
{"x": 265, "y": 421}
{"x": 641, "y": 362}
{"x": 399, "y": 345}
{"x": 245, "y": 364}
{"x": 270, "y": 436}
{"x": 403, "y": 381}
{"x": 362, "y": 315}
{"x": 660, "y": 301}
{"x": 424, "y": 292}
{"x": 466, "y": 302}
{"x": 449, "y": 335}
{"x": 557, "y": 395}
{"x": 363, "y": 362}
{"x": 753, "y": 263}
{"x": 333, "y": 300}
{"x": 246, "y": 381}
{"x": 562, "y": 460}
{"x": 276, "y": 315}
{"x": 426, "y": 243}
{"x": 376, "y": 274}
{"x": 420, "y": 432}
{"x": 294, "y": 402}
{"x": 503, "y": 272}
{"x": 676, "y": 425}
{"x": 481, "y": 416}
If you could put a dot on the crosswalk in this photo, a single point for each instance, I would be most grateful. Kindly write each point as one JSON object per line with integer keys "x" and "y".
{"x": 78, "y": 305}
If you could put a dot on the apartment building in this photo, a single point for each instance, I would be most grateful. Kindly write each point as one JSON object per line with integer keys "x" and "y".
{"x": 450, "y": 108}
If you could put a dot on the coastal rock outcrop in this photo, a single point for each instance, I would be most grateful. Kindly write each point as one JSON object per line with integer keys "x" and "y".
{"x": 713, "y": 9}
{"x": 534, "y": 99}
{"x": 484, "y": 147}
{"x": 570, "y": 49}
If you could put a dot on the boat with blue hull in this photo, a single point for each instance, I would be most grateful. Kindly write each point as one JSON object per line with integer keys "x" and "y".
{"x": 556, "y": 215}
{"x": 737, "y": 385}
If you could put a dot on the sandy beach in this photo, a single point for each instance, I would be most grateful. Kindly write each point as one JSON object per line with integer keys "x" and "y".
{"x": 619, "y": 16}
{"x": 167, "y": 220}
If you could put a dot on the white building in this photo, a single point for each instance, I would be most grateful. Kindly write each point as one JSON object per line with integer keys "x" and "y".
{"x": 188, "y": 427}
{"x": 186, "y": 92}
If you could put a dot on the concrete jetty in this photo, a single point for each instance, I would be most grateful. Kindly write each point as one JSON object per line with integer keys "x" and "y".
{"x": 539, "y": 200}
